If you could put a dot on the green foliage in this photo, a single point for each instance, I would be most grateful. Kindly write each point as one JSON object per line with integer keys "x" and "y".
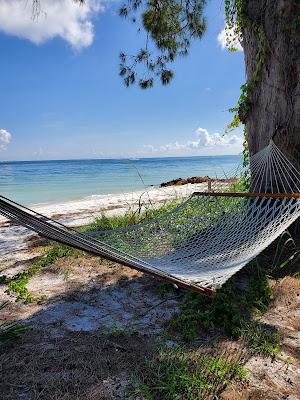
{"x": 237, "y": 20}
{"x": 116, "y": 332}
{"x": 164, "y": 288}
{"x": 183, "y": 374}
{"x": 130, "y": 218}
{"x": 228, "y": 311}
{"x": 170, "y": 26}
{"x": 263, "y": 339}
{"x": 17, "y": 284}
{"x": 106, "y": 223}
{"x": 287, "y": 253}
{"x": 283, "y": 255}
{"x": 242, "y": 185}
{"x": 10, "y": 330}
{"x": 246, "y": 175}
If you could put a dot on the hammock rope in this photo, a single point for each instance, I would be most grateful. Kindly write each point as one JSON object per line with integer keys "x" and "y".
{"x": 201, "y": 243}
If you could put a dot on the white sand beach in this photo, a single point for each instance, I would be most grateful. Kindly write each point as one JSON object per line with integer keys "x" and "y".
{"x": 16, "y": 240}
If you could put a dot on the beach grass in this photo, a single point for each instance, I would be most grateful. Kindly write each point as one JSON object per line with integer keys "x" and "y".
{"x": 182, "y": 373}
{"x": 132, "y": 217}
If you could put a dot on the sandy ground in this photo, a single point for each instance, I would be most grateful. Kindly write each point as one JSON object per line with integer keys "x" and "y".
{"x": 87, "y": 294}
{"x": 101, "y": 321}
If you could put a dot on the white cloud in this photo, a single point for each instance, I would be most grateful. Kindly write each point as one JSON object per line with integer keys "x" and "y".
{"x": 229, "y": 34}
{"x": 206, "y": 139}
{"x": 149, "y": 148}
{"x": 172, "y": 146}
{"x": 5, "y": 138}
{"x": 58, "y": 18}
{"x": 209, "y": 142}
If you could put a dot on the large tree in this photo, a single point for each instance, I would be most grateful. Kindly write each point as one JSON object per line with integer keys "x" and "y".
{"x": 271, "y": 42}
{"x": 269, "y": 31}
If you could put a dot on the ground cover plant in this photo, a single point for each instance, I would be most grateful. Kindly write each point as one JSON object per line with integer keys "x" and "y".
{"x": 17, "y": 284}
{"x": 188, "y": 374}
{"x": 10, "y": 330}
{"x": 231, "y": 311}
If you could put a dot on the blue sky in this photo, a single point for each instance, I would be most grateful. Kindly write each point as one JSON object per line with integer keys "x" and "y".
{"x": 61, "y": 96}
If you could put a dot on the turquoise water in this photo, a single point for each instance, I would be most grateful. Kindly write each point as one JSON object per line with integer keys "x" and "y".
{"x": 32, "y": 182}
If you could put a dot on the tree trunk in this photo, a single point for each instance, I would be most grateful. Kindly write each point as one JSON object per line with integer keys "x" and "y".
{"x": 275, "y": 101}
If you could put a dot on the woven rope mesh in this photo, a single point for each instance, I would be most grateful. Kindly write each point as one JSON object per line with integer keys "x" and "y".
{"x": 202, "y": 242}
{"x": 208, "y": 239}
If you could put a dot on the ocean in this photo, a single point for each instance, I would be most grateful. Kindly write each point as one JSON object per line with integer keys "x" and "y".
{"x": 36, "y": 182}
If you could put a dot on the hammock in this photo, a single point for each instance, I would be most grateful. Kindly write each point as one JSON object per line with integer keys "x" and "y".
{"x": 205, "y": 240}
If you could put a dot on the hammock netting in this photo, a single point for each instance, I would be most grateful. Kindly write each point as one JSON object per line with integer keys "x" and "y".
{"x": 202, "y": 242}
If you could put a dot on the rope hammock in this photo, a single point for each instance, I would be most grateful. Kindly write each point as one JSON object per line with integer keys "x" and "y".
{"x": 205, "y": 240}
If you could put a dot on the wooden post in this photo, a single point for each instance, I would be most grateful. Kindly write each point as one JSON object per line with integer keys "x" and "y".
{"x": 209, "y": 185}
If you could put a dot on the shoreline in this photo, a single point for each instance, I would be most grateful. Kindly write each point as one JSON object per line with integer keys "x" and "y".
{"x": 72, "y": 211}
{"x": 17, "y": 241}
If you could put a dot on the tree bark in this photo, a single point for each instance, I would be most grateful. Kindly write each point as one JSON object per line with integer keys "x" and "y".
{"x": 274, "y": 103}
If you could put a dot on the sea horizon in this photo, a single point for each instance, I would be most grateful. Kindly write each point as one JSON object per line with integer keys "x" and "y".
{"x": 121, "y": 158}
{"x": 52, "y": 181}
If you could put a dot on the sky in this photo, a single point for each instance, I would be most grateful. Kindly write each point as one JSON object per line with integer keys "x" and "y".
{"x": 61, "y": 96}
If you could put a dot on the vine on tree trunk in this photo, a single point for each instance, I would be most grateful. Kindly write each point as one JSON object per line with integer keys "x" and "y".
{"x": 246, "y": 176}
{"x": 237, "y": 20}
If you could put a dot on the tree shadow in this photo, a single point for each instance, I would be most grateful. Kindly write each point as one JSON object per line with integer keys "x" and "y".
{"x": 88, "y": 342}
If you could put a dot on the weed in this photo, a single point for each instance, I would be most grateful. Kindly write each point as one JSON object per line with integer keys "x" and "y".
{"x": 66, "y": 273}
{"x": 41, "y": 299}
{"x": 10, "y": 330}
{"x": 130, "y": 218}
{"x": 228, "y": 311}
{"x": 242, "y": 185}
{"x": 115, "y": 331}
{"x": 283, "y": 255}
{"x": 17, "y": 284}
{"x": 164, "y": 288}
{"x": 287, "y": 362}
{"x": 263, "y": 339}
{"x": 190, "y": 375}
